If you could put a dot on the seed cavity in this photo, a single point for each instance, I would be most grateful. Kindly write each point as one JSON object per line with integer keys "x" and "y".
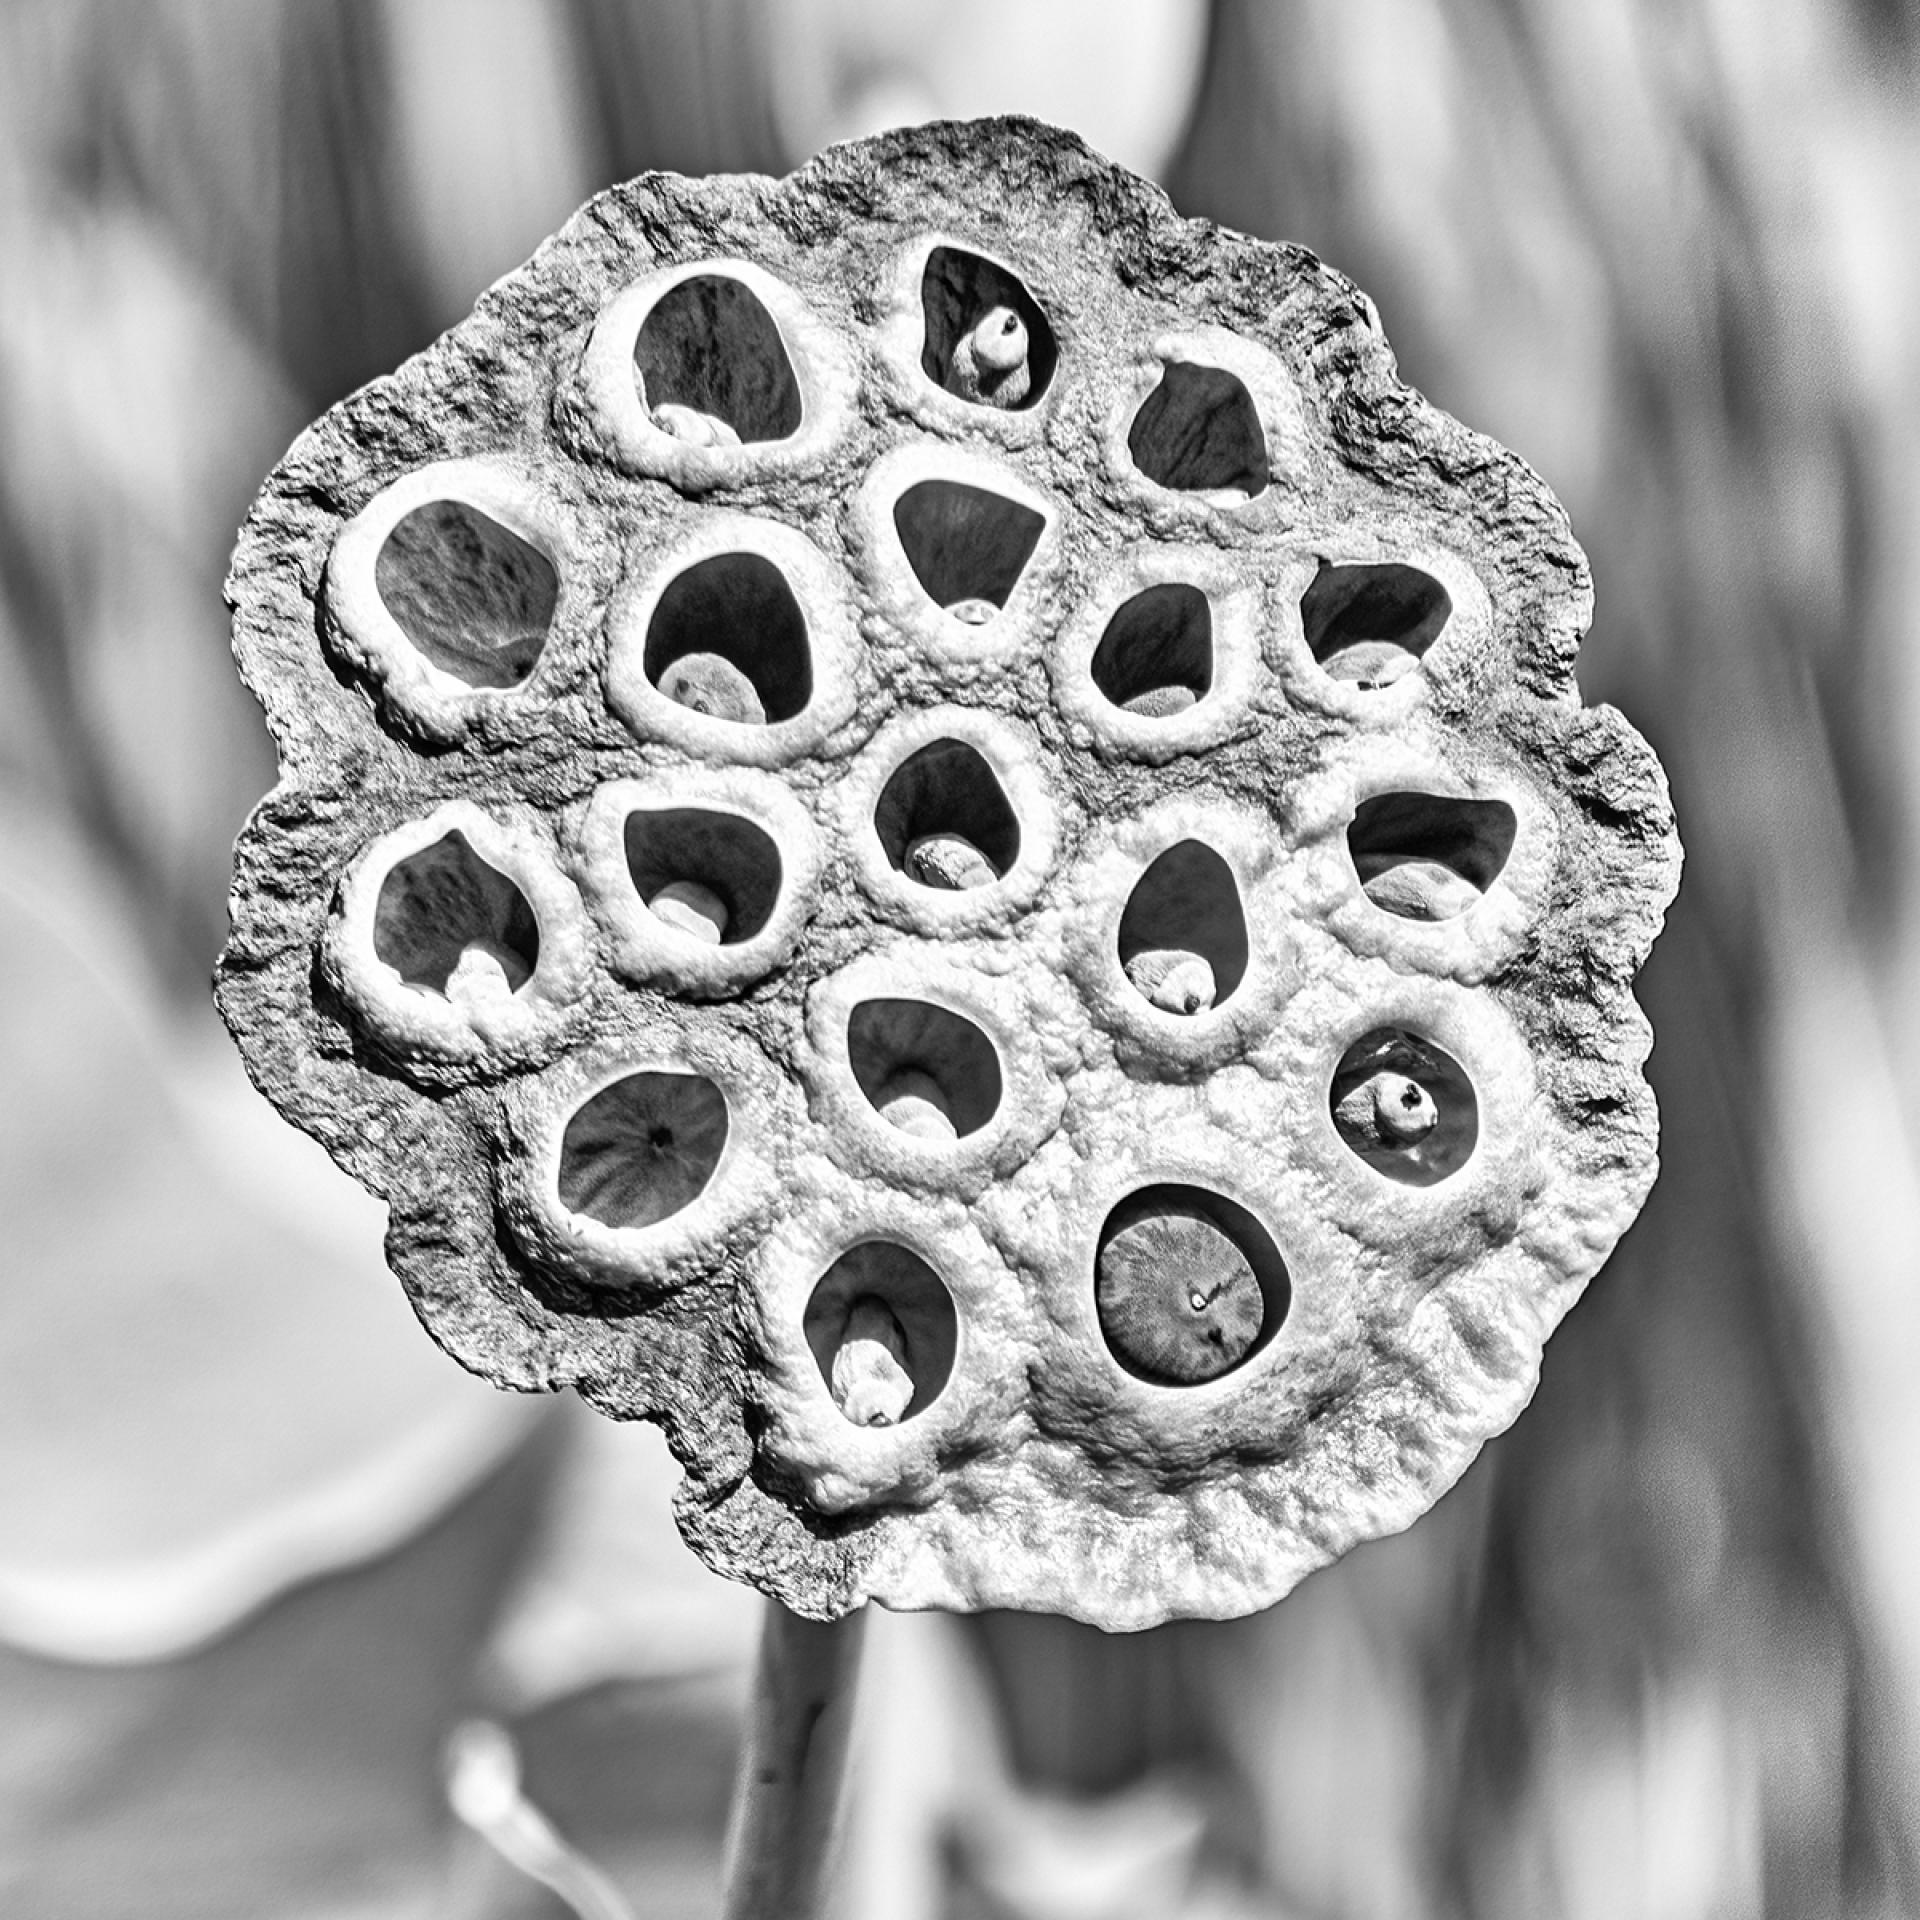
{"x": 883, "y": 1331}
{"x": 925, "y": 1069}
{"x": 965, "y": 543}
{"x": 1183, "y": 935}
{"x": 944, "y": 820}
{"x": 475, "y": 598}
{"x": 713, "y": 876}
{"x": 711, "y": 366}
{"x": 986, "y": 339}
{"x": 1371, "y": 624}
{"x": 643, "y": 1148}
{"x": 1156, "y": 656}
{"x": 727, "y": 638}
{"x": 449, "y": 923}
{"x": 1187, "y": 1285}
{"x": 1199, "y": 432}
{"x": 1405, "y": 1106}
{"x": 1425, "y": 856}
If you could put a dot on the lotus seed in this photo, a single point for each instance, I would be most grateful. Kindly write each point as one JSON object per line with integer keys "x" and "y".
{"x": 1160, "y": 703}
{"x": 915, "y": 1103}
{"x": 1173, "y": 979}
{"x": 1177, "y": 1298}
{"x": 692, "y": 909}
{"x": 695, "y": 428}
{"x": 871, "y": 1384}
{"x": 705, "y": 683}
{"x": 990, "y": 360}
{"x": 948, "y": 860}
{"x": 1421, "y": 890}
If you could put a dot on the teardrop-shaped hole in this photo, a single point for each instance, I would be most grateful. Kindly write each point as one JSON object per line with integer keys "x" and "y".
{"x": 1370, "y": 624}
{"x": 731, "y": 857}
{"x": 444, "y": 912}
{"x": 947, "y": 788}
{"x": 710, "y": 347}
{"x": 737, "y": 606}
{"x": 930, "y": 1072}
{"x": 473, "y": 596}
{"x": 883, "y": 1331}
{"x": 961, "y": 293}
{"x": 1188, "y": 1285}
{"x": 1185, "y": 909}
{"x": 643, "y": 1148}
{"x": 1404, "y": 1106}
{"x": 967, "y": 546}
{"x": 1426, "y": 856}
{"x": 1157, "y": 650}
{"x": 1198, "y": 431}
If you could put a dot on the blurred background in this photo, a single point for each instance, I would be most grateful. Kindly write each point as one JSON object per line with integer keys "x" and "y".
{"x": 264, "y": 1553}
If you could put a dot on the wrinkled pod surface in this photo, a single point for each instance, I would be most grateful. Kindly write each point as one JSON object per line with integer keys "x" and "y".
{"x": 930, "y": 831}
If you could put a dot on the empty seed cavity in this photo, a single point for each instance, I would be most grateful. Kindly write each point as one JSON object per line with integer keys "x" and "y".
{"x": 449, "y": 923}
{"x": 929, "y": 1072}
{"x": 967, "y": 545}
{"x": 944, "y": 821}
{"x": 727, "y": 639}
{"x": 883, "y": 1331}
{"x": 1198, "y": 431}
{"x": 711, "y": 875}
{"x": 712, "y": 368}
{"x": 1156, "y": 656}
{"x": 987, "y": 340}
{"x": 643, "y": 1148}
{"x": 1404, "y": 1106}
{"x": 1371, "y": 624}
{"x": 475, "y": 598}
{"x": 1425, "y": 856}
{"x": 1187, "y": 1285}
{"x": 1183, "y": 934}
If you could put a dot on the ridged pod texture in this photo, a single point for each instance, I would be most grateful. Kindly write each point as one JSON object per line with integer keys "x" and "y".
{"x": 930, "y": 831}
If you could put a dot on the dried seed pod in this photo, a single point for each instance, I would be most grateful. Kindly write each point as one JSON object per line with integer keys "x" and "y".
{"x": 692, "y": 908}
{"x": 871, "y": 1384}
{"x": 990, "y": 360}
{"x": 948, "y": 860}
{"x": 1132, "y": 1315}
{"x": 705, "y": 683}
{"x": 1178, "y": 1299}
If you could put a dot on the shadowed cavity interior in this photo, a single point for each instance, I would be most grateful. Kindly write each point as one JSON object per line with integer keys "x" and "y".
{"x": 1187, "y": 902}
{"x": 441, "y": 904}
{"x": 1405, "y": 1106}
{"x": 1358, "y": 618}
{"x": 930, "y": 1054}
{"x": 1426, "y": 856}
{"x": 739, "y": 606}
{"x": 643, "y": 1148}
{"x": 475, "y": 598}
{"x": 1198, "y": 431}
{"x": 1188, "y": 1285}
{"x": 965, "y": 543}
{"x": 1161, "y": 638}
{"x": 947, "y": 787}
{"x": 731, "y": 856}
{"x": 956, "y": 290}
{"x": 910, "y": 1293}
{"x": 711, "y": 345}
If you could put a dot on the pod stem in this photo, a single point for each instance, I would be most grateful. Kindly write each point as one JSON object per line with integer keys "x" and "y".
{"x": 786, "y": 1797}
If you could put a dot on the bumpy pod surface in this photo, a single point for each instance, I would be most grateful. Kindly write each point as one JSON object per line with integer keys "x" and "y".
{"x": 931, "y": 831}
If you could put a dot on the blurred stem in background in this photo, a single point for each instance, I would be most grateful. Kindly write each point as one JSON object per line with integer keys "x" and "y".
{"x": 1660, "y": 1654}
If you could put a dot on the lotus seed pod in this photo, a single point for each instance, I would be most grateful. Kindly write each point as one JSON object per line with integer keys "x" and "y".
{"x": 1160, "y": 703}
{"x": 915, "y": 1103}
{"x": 1421, "y": 890}
{"x": 948, "y": 860}
{"x": 990, "y": 360}
{"x": 1173, "y": 979}
{"x": 695, "y": 428}
{"x": 705, "y": 683}
{"x": 960, "y": 1272}
{"x": 871, "y": 1385}
{"x": 692, "y": 908}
